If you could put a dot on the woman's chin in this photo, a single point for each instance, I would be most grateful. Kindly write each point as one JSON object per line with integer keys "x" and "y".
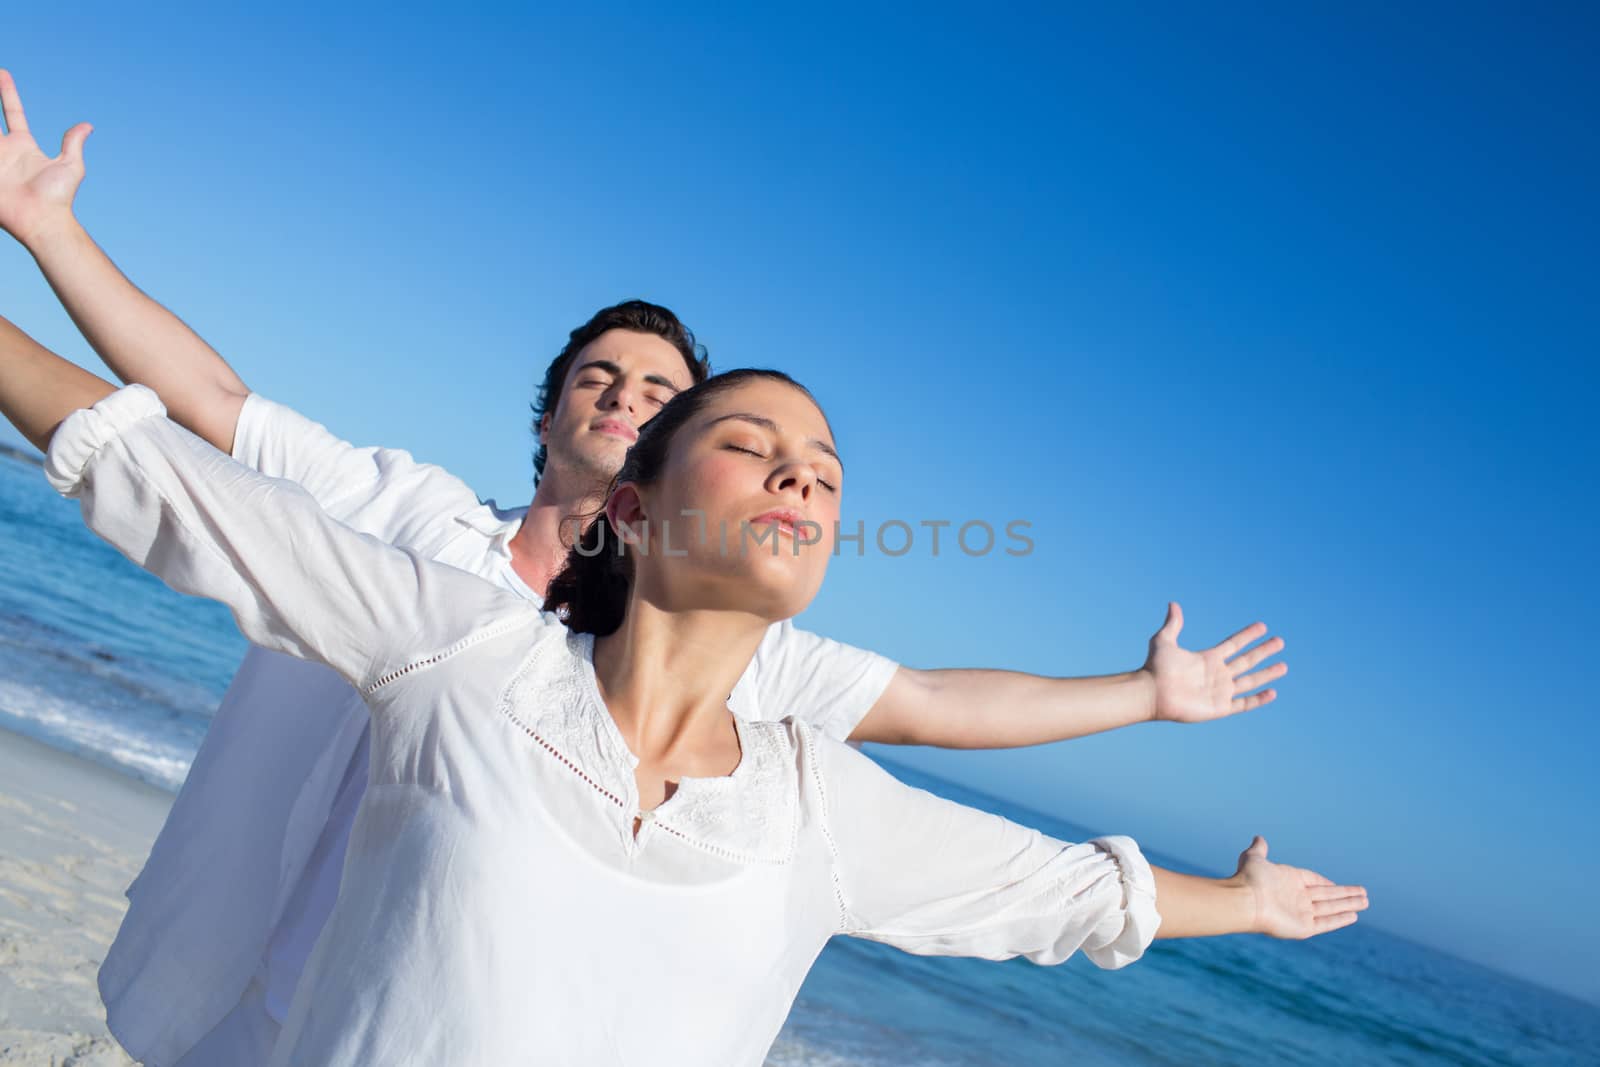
{"x": 768, "y": 596}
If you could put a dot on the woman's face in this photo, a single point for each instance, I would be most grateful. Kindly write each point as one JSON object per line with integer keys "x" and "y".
{"x": 745, "y": 513}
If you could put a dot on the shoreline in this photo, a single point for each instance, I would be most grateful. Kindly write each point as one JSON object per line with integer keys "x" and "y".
{"x": 74, "y": 834}
{"x": 21, "y": 455}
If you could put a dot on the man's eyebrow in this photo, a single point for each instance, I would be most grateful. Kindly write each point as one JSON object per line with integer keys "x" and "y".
{"x": 767, "y": 424}
{"x": 601, "y": 365}
{"x": 658, "y": 379}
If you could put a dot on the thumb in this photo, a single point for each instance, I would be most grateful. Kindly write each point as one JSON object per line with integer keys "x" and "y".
{"x": 72, "y": 143}
{"x": 1258, "y": 849}
{"x": 1174, "y": 624}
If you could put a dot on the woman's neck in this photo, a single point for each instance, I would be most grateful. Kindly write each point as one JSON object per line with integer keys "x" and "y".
{"x": 666, "y": 676}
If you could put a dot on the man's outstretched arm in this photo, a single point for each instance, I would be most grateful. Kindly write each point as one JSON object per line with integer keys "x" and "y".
{"x": 140, "y": 340}
{"x": 1008, "y": 709}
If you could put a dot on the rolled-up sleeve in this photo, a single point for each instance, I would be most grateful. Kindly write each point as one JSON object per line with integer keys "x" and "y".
{"x": 934, "y": 877}
{"x": 295, "y": 579}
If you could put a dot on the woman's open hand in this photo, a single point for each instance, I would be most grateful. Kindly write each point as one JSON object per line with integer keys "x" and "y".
{"x": 1292, "y": 902}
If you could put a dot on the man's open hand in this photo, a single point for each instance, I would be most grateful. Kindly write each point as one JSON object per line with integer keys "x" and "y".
{"x": 1201, "y": 686}
{"x": 35, "y": 190}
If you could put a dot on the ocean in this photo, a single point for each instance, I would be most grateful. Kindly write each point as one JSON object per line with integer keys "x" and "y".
{"x": 100, "y": 659}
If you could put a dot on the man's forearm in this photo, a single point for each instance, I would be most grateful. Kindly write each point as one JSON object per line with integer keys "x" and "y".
{"x": 1003, "y": 709}
{"x": 140, "y": 340}
{"x": 38, "y": 389}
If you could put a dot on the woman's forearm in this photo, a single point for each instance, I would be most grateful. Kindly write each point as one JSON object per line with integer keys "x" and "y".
{"x": 38, "y": 388}
{"x": 1191, "y": 906}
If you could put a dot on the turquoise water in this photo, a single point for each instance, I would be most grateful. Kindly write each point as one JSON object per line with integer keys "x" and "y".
{"x": 100, "y": 659}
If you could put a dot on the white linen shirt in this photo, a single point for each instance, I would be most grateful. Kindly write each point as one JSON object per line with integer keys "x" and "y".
{"x": 244, "y": 873}
{"x": 496, "y": 905}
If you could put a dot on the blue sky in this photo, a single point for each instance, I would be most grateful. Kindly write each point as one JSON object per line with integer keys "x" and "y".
{"x": 1282, "y": 316}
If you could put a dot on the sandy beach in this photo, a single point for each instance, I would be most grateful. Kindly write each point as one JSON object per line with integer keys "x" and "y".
{"x": 73, "y": 836}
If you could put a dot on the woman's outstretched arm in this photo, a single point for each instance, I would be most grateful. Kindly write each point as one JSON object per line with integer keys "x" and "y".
{"x": 1260, "y": 898}
{"x": 296, "y": 580}
{"x": 38, "y": 388}
{"x": 934, "y": 877}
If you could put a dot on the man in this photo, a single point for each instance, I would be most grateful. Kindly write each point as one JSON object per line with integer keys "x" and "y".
{"x": 244, "y": 873}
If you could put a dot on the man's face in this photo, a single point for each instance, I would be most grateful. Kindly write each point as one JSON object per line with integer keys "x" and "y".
{"x": 616, "y": 384}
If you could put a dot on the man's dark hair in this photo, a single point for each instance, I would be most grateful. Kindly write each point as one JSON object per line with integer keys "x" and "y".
{"x": 637, "y": 315}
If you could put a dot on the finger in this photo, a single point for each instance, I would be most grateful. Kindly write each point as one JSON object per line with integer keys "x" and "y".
{"x": 1313, "y": 878}
{"x": 1259, "y": 678}
{"x": 1331, "y": 922}
{"x": 1242, "y": 638}
{"x": 1331, "y": 898}
{"x": 72, "y": 143}
{"x": 11, "y": 104}
{"x": 1254, "y": 700}
{"x": 1249, "y": 659}
{"x": 1258, "y": 847}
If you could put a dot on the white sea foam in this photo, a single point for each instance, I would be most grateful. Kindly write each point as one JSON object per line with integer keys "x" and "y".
{"x": 71, "y": 725}
{"x": 792, "y": 1052}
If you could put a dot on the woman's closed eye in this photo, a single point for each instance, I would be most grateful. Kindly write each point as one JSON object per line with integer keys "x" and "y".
{"x": 831, "y": 487}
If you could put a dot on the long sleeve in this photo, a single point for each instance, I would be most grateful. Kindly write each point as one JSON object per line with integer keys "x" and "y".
{"x": 937, "y": 878}
{"x": 295, "y": 579}
{"x": 381, "y": 491}
{"x": 824, "y": 682}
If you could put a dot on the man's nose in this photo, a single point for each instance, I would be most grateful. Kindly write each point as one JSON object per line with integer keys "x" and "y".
{"x": 622, "y": 396}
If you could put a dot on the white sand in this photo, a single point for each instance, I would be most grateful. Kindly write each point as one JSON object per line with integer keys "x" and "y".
{"x": 72, "y": 836}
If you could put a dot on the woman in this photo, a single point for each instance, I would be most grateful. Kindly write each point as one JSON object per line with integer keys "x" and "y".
{"x": 570, "y": 850}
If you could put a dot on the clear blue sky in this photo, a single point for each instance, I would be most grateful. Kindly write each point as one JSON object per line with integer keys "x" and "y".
{"x": 1283, "y": 316}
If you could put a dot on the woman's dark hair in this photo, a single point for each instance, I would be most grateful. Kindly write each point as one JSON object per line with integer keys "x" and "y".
{"x": 637, "y": 315}
{"x": 591, "y": 592}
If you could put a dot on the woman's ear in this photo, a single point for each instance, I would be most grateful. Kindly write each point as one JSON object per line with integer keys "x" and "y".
{"x": 625, "y": 512}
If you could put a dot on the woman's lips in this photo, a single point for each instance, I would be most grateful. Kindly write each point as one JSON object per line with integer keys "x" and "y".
{"x": 786, "y": 521}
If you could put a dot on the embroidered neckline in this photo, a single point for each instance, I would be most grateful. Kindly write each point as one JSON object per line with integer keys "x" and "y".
{"x": 750, "y": 815}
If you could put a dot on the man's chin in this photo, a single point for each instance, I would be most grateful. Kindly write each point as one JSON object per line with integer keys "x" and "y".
{"x": 597, "y": 454}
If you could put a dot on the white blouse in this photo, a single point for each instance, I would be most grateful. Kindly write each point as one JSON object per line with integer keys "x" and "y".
{"x": 496, "y": 906}
{"x": 245, "y": 871}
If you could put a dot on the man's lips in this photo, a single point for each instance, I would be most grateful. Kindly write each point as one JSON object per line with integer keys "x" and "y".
{"x": 616, "y": 428}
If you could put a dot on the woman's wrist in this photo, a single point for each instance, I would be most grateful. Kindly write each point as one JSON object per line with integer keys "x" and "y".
{"x": 1243, "y": 904}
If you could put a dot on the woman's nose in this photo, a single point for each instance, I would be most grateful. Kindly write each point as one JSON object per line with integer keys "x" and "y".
{"x": 797, "y": 476}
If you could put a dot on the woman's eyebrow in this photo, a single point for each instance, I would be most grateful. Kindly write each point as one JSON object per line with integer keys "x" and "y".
{"x": 767, "y": 424}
